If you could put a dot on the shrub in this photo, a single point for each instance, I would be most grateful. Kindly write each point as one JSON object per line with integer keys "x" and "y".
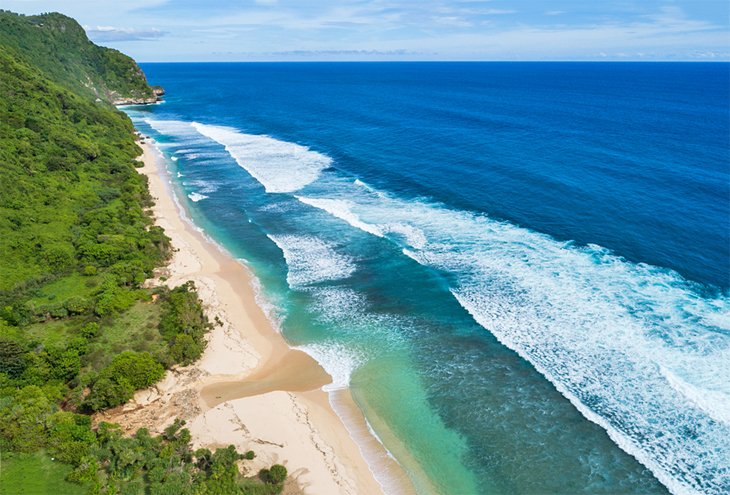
{"x": 70, "y": 437}
{"x": 77, "y": 305}
{"x": 12, "y": 357}
{"x": 108, "y": 392}
{"x": 275, "y": 474}
{"x": 114, "y": 300}
{"x": 129, "y": 371}
{"x": 185, "y": 350}
{"x": 140, "y": 369}
{"x": 90, "y": 330}
{"x": 183, "y": 323}
{"x": 183, "y": 313}
{"x": 58, "y": 311}
{"x": 24, "y": 420}
{"x": 65, "y": 363}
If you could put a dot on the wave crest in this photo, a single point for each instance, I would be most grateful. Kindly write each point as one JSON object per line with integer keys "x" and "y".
{"x": 279, "y": 166}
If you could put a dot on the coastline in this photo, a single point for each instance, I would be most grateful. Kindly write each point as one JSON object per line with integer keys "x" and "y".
{"x": 251, "y": 389}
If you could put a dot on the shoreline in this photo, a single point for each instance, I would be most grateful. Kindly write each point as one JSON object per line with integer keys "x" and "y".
{"x": 249, "y": 388}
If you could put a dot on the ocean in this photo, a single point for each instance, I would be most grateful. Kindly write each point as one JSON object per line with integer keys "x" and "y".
{"x": 521, "y": 270}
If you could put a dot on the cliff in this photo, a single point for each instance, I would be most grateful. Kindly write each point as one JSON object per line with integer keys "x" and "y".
{"x": 58, "y": 46}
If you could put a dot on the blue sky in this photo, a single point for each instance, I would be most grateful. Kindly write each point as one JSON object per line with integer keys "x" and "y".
{"x": 241, "y": 30}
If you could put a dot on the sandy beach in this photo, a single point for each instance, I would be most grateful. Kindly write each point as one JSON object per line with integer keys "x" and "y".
{"x": 250, "y": 389}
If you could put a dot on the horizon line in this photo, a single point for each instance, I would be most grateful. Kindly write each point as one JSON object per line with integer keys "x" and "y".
{"x": 598, "y": 61}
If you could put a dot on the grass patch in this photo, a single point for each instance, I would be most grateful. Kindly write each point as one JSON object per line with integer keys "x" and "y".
{"x": 35, "y": 474}
{"x": 53, "y": 333}
{"x": 58, "y": 291}
{"x": 253, "y": 486}
{"x": 133, "y": 330}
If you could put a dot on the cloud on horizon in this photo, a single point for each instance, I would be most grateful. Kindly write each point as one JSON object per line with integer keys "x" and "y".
{"x": 199, "y": 30}
{"x": 104, "y": 34}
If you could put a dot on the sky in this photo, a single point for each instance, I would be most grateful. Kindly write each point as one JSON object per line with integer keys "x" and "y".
{"x": 305, "y": 30}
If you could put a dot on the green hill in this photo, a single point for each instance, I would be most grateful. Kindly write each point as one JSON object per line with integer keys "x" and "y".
{"x": 78, "y": 331}
{"x": 58, "y": 46}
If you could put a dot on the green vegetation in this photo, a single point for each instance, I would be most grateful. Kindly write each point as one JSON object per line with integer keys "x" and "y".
{"x": 58, "y": 46}
{"x": 108, "y": 462}
{"x": 70, "y": 199}
{"x": 183, "y": 324}
{"x": 163, "y": 464}
{"x": 274, "y": 475}
{"x": 78, "y": 332}
{"x": 31, "y": 474}
{"x": 115, "y": 385}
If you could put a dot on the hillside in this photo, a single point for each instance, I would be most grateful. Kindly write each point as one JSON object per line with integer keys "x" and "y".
{"x": 78, "y": 331}
{"x": 58, "y": 47}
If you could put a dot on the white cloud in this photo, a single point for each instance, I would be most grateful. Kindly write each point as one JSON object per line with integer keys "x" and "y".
{"x": 428, "y": 29}
{"x": 111, "y": 33}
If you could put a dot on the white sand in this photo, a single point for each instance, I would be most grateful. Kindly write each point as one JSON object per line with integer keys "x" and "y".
{"x": 250, "y": 389}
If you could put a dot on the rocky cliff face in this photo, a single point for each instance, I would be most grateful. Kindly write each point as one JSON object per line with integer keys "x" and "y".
{"x": 157, "y": 93}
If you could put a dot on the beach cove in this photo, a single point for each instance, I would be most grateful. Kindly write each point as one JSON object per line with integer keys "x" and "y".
{"x": 250, "y": 389}
{"x": 397, "y": 275}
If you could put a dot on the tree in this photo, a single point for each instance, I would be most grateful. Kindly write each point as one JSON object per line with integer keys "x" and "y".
{"x": 139, "y": 368}
{"x": 129, "y": 371}
{"x": 108, "y": 392}
{"x": 275, "y": 474}
{"x": 23, "y": 427}
{"x": 12, "y": 360}
{"x": 186, "y": 350}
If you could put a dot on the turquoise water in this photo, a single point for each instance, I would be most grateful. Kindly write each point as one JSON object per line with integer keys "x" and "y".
{"x": 524, "y": 285}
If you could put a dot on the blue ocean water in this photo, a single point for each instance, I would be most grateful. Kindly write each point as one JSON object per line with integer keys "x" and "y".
{"x": 522, "y": 270}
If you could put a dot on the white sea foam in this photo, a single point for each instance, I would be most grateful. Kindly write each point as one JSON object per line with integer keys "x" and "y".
{"x": 614, "y": 337}
{"x": 345, "y": 210}
{"x": 339, "y": 303}
{"x": 413, "y": 236}
{"x": 337, "y": 360}
{"x": 195, "y": 197}
{"x": 342, "y": 209}
{"x": 203, "y": 186}
{"x": 716, "y": 403}
{"x": 279, "y": 166}
{"x": 362, "y": 184}
{"x": 311, "y": 260}
{"x": 273, "y": 313}
{"x": 174, "y": 158}
{"x": 379, "y": 459}
{"x": 179, "y": 129}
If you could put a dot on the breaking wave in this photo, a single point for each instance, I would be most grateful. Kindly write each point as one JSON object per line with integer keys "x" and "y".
{"x": 279, "y": 166}
{"x": 638, "y": 349}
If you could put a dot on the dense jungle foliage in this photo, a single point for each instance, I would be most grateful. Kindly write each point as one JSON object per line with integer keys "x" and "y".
{"x": 78, "y": 332}
{"x": 58, "y": 46}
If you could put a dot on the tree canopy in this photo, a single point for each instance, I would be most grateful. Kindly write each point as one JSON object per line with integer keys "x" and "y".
{"x": 78, "y": 331}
